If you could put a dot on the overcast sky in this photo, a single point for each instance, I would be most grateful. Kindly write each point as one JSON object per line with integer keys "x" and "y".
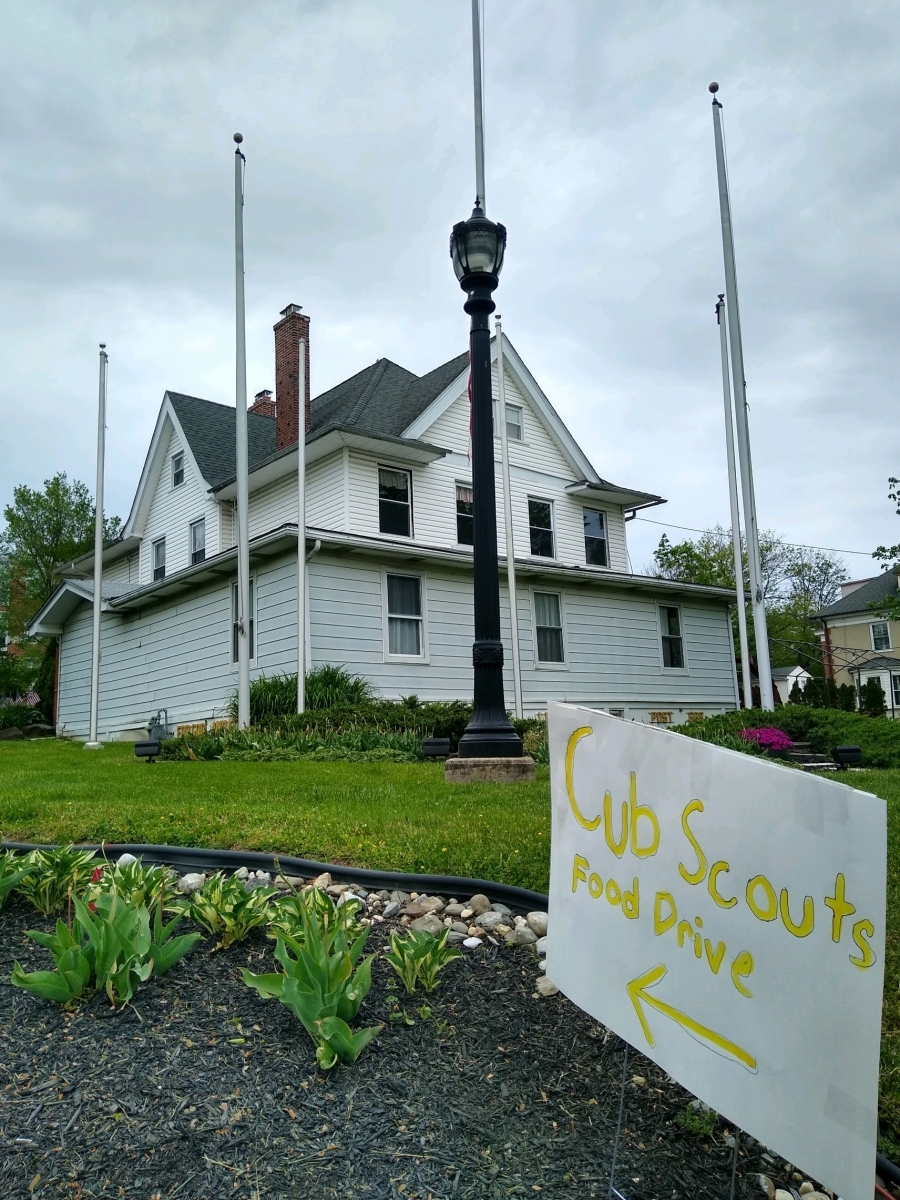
{"x": 116, "y": 225}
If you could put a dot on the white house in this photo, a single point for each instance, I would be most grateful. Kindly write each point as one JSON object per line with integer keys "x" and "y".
{"x": 388, "y": 536}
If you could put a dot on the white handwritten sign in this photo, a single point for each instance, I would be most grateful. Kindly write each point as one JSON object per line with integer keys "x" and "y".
{"x": 725, "y": 915}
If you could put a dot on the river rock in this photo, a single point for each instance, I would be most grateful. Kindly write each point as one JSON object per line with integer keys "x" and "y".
{"x": 391, "y": 909}
{"x": 537, "y": 921}
{"x": 427, "y": 924}
{"x": 540, "y": 947}
{"x": 479, "y": 904}
{"x": 242, "y": 873}
{"x": 190, "y": 883}
{"x": 521, "y": 936}
{"x": 781, "y": 1194}
{"x": 489, "y": 921}
{"x": 544, "y": 987}
{"x": 766, "y": 1185}
{"x": 124, "y": 859}
{"x": 426, "y": 904}
{"x": 323, "y": 881}
{"x": 454, "y": 909}
{"x": 501, "y": 908}
{"x": 454, "y": 937}
{"x": 460, "y": 927}
{"x": 472, "y": 943}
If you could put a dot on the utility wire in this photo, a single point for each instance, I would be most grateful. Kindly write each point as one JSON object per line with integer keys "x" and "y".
{"x": 795, "y": 545}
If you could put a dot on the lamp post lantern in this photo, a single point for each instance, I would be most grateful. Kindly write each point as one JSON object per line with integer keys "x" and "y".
{"x": 477, "y": 247}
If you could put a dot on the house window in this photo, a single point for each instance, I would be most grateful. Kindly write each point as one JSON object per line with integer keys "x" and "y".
{"x": 159, "y": 559}
{"x": 895, "y": 688}
{"x": 540, "y": 527}
{"x": 198, "y": 541}
{"x": 514, "y": 423}
{"x": 881, "y": 635}
{"x": 394, "y": 502}
{"x": 548, "y": 625}
{"x": 235, "y": 609}
{"x": 595, "y": 538}
{"x": 404, "y": 605}
{"x": 177, "y": 469}
{"x": 672, "y": 644}
{"x": 465, "y": 518}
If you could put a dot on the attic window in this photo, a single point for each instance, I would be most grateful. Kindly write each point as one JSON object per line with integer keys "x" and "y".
{"x": 513, "y": 421}
{"x": 177, "y": 469}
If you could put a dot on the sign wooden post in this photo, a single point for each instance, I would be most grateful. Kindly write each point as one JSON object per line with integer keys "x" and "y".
{"x": 725, "y": 915}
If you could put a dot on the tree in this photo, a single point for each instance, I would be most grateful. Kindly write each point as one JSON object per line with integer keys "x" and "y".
{"x": 889, "y": 557}
{"x": 871, "y": 698}
{"x": 43, "y": 530}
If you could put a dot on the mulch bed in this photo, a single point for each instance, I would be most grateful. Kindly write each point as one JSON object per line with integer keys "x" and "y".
{"x": 202, "y": 1090}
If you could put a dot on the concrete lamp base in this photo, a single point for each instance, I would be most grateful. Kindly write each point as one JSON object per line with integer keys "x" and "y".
{"x": 489, "y": 770}
{"x": 93, "y": 745}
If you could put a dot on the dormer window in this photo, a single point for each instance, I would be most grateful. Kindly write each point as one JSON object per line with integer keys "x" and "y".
{"x": 177, "y": 469}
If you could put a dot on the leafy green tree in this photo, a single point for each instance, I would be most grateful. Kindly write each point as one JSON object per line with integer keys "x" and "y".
{"x": 871, "y": 698}
{"x": 889, "y": 557}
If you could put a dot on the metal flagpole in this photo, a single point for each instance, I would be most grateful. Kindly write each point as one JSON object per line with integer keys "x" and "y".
{"x": 301, "y": 533}
{"x": 507, "y": 517}
{"x": 92, "y": 743}
{"x": 479, "y": 105}
{"x": 244, "y": 615}
{"x": 735, "y": 512}
{"x": 757, "y": 600}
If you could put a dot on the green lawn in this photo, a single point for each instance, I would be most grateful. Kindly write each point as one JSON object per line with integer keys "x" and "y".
{"x": 391, "y": 816}
{"x": 386, "y": 815}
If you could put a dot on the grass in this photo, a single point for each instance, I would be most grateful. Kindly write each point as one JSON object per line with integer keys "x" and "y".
{"x": 388, "y": 816}
{"x": 393, "y": 816}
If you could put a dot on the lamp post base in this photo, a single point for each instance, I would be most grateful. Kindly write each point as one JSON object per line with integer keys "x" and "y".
{"x": 489, "y": 770}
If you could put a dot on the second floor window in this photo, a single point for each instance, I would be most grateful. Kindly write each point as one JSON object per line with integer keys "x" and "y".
{"x": 595, "y": 538}
{"x": 672, "y": 643}
{"x": 881, "y": 635}
{"x": 198, "y": 541}
{"x": 465, "y": 518}
{"x": 177, "y": 469}
{"x": 394, "y": 502}
{"x": 540, "y": 527}
{"x": 159, "y": 559}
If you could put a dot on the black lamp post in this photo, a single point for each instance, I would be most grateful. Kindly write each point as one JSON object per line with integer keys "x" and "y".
{"x": 477, "y": 247}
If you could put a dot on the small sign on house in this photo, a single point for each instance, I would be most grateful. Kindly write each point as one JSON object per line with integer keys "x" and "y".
{"x": 726, "y": 917}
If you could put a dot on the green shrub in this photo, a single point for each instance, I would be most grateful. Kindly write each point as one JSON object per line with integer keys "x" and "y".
{"x": 17, "y": 716}
{"x": 871, "y": 698}
{"x": 325, "y": 687}
{"x": 11, "y": 873}
{"x": 225, "y": 908}
{"x": 54, "y": 875}
{"x": 698, "y": 1121}
{"x": 134, "y": 882}
{"x": 355, "y": 743}
{"x": 289, "y": 913}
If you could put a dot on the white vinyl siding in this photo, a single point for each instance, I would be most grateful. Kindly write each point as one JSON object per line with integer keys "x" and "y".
{"x": 171, "y": 511}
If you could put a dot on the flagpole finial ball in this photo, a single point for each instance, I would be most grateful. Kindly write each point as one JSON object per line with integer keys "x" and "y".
{"x": 713, "y": 87}
{"x": 103, "y": 345}
{"x": 239, "y": 137}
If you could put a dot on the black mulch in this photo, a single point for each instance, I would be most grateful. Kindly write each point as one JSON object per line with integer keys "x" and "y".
{"x": 202, "y": 1090}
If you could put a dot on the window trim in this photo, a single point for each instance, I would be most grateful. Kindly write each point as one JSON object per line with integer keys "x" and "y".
{"x": 458, "y": 483}
{"x": 605, "y": 514}
{"x": 664, "y": 670}
{"x": 549, "y": 666}
{"x": 384, "y": 466}
{"x": 191, "y": 526}
{"x": 254, "y": 617}
{"x": 425, "y": 656}
{"x": 160, "y": 541}
{"x": 177, "y": 454}
{"x": 554, "y": 557}
{"x": 887, "y": 626}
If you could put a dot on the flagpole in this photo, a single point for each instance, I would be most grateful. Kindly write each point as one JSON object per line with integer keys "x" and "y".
{"x": 479, "y": 104}
{"x": 301, "y": 532}
{"x": 508, "y": 521}
{"x": 244, "y": 615}
{"x": 757, "y": 600}
{"x": 735, "y": 511}
{"x": 93, "y": 743}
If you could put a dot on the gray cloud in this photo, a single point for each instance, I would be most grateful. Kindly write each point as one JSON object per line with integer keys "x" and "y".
{"x": 116, "y": 225}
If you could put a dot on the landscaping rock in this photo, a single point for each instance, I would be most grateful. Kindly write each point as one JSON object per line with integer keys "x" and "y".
{"x": 323, "y": 881}
{"x": 479, "y": 904}
{"x": 522, "y": 936}
{"x": 39, "y": 730}
{"x": 454, "y": 909}
{"x": 242, "y": 873}
{"x": 544, "y": 987}
{"x": 538, "y": 922}
{"x": 190, "y": 883}
{"x": 290, "y": 882}
{"x": 501, "y": 908}
{"x": 542, "y": 964}
{"x": 503, "y": 929}
{"x": 124, "y": 859}
{"x": 9, "y": 735}
{"x": 425, "y": 904}
{"x": 472, "y": 943}
{"x": 427, "y": 924}
{"x": 766, "y": 1185}
{"x": 805, "y": 1188}
{"x": 390, "y": 910}
{"x": 540, "y": 947}
{"x": 488, "y": 921}
{"x": 454, "y": 938}
{"x": 336, "y": 889}
{"x": 400, "y": 898}
{"x": 460, "y": 927}
{"x": 781, "y": 1194}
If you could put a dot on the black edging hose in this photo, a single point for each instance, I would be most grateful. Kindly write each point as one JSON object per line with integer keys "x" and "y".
{"x": 187, "y": 858}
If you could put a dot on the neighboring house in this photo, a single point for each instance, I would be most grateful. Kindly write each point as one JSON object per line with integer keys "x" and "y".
{"x": 388, "y": 537}
{"x": 857, "y": 645}
{"x": 784, "y": 678}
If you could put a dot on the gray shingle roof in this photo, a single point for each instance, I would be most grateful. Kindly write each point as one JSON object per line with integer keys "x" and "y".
{"x": 859, "y": 600}
{"x": 382, "y": 399}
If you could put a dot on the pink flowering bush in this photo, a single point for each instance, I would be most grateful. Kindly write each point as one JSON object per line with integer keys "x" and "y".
{"x": 767, "y": 739}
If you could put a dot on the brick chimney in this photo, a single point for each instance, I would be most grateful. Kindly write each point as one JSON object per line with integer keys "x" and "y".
{"x": 288, "y": 332}
{"x": 263, "y": 404}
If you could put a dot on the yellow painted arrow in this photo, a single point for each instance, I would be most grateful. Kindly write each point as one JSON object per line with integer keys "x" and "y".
{"x": 638, "y": 994}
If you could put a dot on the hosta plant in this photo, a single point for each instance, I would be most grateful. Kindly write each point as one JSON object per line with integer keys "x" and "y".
{"x": 54, "y": 875}
{"x": 419, "y": 957}
{"x": 323, "y": 983}
{"x": 11, "y": 872}
{"x": 111, "y": 945}
{"x": 134, "y": 882}
{"x": 225, "y": 908}
{"x": 288, "y": 914}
